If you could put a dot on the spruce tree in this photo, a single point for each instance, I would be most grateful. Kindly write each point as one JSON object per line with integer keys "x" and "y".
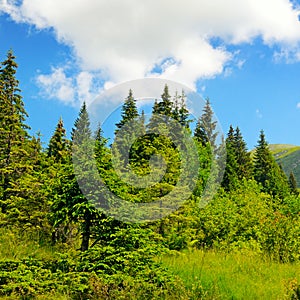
{"x": 13, "y": 130}
{"x": 61, "y": 180}
{"x": 83, "y": 149}
{"x": 244, "y": 162}
{"x": 129, "y": 111}
{"x": 176, "y": 107}
{"x": 238, "y": 160}
{"x": 58, "y": 143}
{"x": 267, "y": 172}
{"x": 230, "y": 178}
{"x": 205, "y": 131}
{"x": 164, "y": 107}
{"x": 22, "y": 194}
{"x": 183, "y": 111}
{"x": 70, "y": 205}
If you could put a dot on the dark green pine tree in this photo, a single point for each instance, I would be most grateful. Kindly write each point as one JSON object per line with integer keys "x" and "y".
{"x": 60, "y": 180}
{"x": 183, "y": 111}
{"x": 101, "y": 151}
{"x": 58, "y": 144}
{"x": 205, "y": 131}
{"x": 83, "y": 210}
{"x": 161, "y": 112}
{"x": 23, "y": 199}
{"x": 81, "y": 130}
{"x": 244, "y": 162}
{"x": 165, "y": 106}
{"x": 14, "y": 139}
{"x": 176, "y": 107}
{"x": 132, "y": 127}
{"x": 267, "y": 172}
{"x": 230, "y": 178}
{"x": 293, "y": 184}
{"x": 78, "y": 208}
{"x": 129, "y": 111}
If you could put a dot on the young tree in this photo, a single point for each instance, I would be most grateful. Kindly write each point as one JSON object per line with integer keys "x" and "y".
{"x": 58, "y": 143}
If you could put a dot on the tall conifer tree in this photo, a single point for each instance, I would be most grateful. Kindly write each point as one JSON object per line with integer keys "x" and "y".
{"x": 129, "y": 110}
{"x": 58, "y": 143}
{"x": 205, "y": 131}
{"x": 14, "y": 147}
{"x": 267, "y": 172}
{"x": 230, "y": 178}
{"x": 244, "y": 162}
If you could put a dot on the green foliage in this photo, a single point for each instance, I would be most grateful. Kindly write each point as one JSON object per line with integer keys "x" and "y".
{"x": 238, "y": 161}
{"x": 129, "y": 111}
{"x": 237, "y": 275}
{"x": 267, "y": 172}
{"x": 293, "y": 184}
{"x": 58, "y": 144}
{"x": 14, "y": 139}
{"x": 47, "y": 218}
{"x": 205, "y": 131}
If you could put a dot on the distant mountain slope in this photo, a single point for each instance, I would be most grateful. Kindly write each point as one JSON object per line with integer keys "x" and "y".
{"x": 281, "y": 150}
{"x": 289, "y": 158}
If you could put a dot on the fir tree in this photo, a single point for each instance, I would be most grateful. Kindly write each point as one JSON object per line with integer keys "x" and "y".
{"x": 205, "y": 131}
{"x": 183, "y": 111}
{"x": 244, "y": 162}
{"x": 238, "y": 161}
{"x": 60, "y": 179}
{"x": 13, "y": 130}
{"x": 83, "y": 148}
{"x": 164, "y": 107}
{"x": 129, "y": 111}
{"x": 267, "y": 172}
{"x": 176, "y": 107}
{"x": 230, "y": 178}
{"x": 58, "y": 143}
{"x": 71, "y": 205}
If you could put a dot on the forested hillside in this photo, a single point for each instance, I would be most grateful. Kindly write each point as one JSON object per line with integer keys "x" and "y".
{"x": 57, "y": 244}
{"x": 288, "y": 156}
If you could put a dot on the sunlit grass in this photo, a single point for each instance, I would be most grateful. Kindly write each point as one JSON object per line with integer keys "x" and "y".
{"x": 235, "y": 275}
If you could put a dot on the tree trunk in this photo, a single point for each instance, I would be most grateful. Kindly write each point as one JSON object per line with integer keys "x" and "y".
{"x": 86, "y": 234}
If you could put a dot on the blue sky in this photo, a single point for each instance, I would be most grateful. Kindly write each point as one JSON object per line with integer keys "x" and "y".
{"x": 244, "y": 57}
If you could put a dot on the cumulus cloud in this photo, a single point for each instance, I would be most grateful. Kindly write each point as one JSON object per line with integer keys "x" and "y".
{"x": 71, "y": 90}
{"x": 57, "y": 85}
{"x": 128, "y": 39}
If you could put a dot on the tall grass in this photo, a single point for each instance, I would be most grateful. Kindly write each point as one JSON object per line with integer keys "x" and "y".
{"x": 235, "y": 275}
{"x": 204, "y": 274}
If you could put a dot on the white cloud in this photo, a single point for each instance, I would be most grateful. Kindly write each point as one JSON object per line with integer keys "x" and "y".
{"x": 125, "y": 39}
{"x": 69, "y": 90}
{"x": 298, "y": 105}
{"x": 57, "y": 86}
